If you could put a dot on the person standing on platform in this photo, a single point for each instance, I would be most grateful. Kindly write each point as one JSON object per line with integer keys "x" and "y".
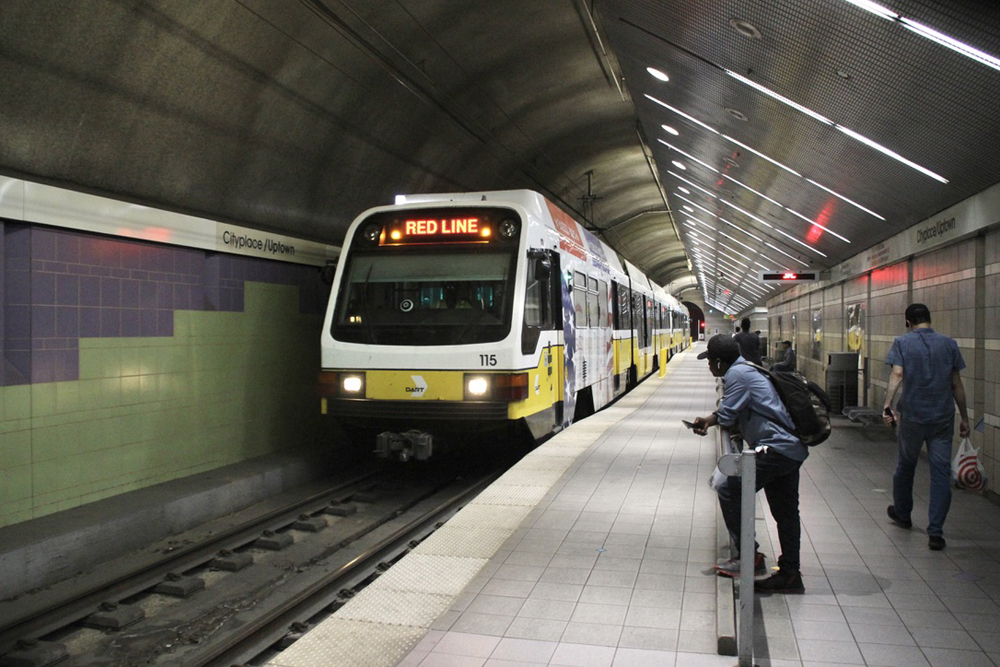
{"x": 927, "y": 365}
{"x": 787, "y": 362}
{"x": 750, "y": 401}
{"x": 749, "y": 343}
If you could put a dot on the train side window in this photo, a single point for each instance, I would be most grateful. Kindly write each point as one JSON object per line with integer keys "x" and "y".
{"x": 580, "y": 299}
{"x": 602, "y": 300}
{"x": 593, "y": 304}
{"x": 538, "y": 305}
{"x": 624, "y": 313}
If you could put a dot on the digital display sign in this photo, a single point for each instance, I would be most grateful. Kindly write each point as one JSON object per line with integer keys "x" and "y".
{"x": 789, "y": 277}
{"x": 438, "y": 225}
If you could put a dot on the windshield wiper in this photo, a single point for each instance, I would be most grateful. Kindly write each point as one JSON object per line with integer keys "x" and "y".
{"x": 369, "y": 332}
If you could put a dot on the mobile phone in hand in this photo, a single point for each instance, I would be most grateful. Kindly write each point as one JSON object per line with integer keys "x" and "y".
{"x": 687, "y": 423}
{"x": 892, "y": 418}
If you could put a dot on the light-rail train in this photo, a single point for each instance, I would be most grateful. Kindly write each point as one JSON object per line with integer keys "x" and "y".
{"x": 488, "y": 313}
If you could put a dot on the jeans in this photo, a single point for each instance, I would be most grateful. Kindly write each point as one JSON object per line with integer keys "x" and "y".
{"x": 911, "y": 439}
{"x": 779, "y": 477}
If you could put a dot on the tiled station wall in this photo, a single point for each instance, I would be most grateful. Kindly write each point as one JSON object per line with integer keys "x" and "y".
{"x": 960, "y": 284}
{"x": 128, "y": 363}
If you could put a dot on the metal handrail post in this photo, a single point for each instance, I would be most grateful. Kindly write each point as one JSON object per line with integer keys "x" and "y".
{"x": 748, "y": 506}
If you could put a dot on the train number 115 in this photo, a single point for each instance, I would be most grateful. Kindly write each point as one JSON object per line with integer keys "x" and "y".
{"x": 487, "y": 360}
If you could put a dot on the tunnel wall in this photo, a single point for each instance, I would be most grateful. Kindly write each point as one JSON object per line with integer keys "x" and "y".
{"x": 128, "y": 363}
{"x": 959, "y": 283}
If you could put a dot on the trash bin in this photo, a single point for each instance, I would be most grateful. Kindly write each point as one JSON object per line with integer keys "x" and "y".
{"x": 842, "y": 380}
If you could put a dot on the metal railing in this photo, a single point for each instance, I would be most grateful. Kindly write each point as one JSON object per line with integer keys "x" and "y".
{"x": 737, "y": 461}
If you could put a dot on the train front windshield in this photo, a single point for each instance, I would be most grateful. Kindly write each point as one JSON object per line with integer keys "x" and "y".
{"x": 425, "y": 298}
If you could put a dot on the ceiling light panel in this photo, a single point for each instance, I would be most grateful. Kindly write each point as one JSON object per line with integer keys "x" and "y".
{"x": 919, "y": 99}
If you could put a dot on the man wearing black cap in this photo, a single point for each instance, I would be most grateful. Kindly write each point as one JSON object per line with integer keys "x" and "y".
{"x": 750, "y": 402}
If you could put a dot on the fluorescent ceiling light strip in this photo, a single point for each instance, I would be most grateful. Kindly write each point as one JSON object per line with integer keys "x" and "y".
{"x": 801, "y": 243}
{"x": 737, "y": 252}
{"x": 692, "y": 184}
{"x": 816, "y": 224}
{"x": 763, "y": 155}
{"x": 896, "y": 156}
{"x": 688, "y": 156}
{"x": 930, "y": 33}
{"x": 782, "y": 206}
{"x": 777, "y": 229}
{"x": 874, "y": 8}
{"x": 951, "y": 43}
{"x": 759, "y": 194}
{"x": 849, "y": 201}
{"x": 770, "y": 93}
{"x": 735, "y": 240}
{"x": 733, "y": 259}
{"x": 851, "y": 133}
{"x": 740, "y": 229}
{"x": 697, "y": 206}
{"x": 683, "y": 115}
{"x": 794, "y": 259}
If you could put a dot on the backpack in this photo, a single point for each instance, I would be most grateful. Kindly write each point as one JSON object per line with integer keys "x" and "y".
{"x": 806, "y": 402}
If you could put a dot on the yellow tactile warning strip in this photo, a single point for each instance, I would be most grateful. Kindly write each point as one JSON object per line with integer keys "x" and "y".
{"x": 384, "y": 622}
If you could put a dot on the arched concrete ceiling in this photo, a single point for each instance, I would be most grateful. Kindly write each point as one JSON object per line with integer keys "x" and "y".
{"x": 294, "y": 116}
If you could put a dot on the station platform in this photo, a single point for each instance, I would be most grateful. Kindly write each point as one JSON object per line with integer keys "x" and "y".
{"x": 597, "y": 550}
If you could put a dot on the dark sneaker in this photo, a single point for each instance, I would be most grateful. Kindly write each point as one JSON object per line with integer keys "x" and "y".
{"x": 891, "y": 511}
{"x": 935, "y": 543}
{"x": 780, "y": 582}
{"x": 731, "y": 568}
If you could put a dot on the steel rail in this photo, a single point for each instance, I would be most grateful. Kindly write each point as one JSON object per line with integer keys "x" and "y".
{"x": 260, "y": 634}
{"x": 67, "y": 610}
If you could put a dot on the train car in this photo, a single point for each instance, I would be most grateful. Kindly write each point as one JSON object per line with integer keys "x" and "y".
{"x": 488, "y": 313}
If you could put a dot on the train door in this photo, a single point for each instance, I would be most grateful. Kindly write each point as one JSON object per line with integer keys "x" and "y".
{"x": 539, "y": 336}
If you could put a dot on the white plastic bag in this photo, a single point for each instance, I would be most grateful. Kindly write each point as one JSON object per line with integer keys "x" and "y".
{"x": 966, "y": 470}
{"x": 717, "y": 479}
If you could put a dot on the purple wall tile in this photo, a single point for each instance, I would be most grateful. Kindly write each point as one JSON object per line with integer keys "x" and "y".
{"x": 147, "y": 322}
{"x": 17, "y": 322}
{"x": 67, "y": 366}
{"x": 43, "y": 321}
{"x": 165, "y": 323}
{"x": 43, "y": 243}
{"x": 90, "y": 291}
{"x": 58, "y": 285}
{"x": 130, "y": 293}
{"x": 43, "y": 286}
{"x": 43, "y": 366}
{"x": 130, "y": 322}
{"x": 147, "y": 295}
{"x": 110, "y": 322}
{"x": 67, "y": 290}
{"x": 90, "y": 322}
{"x": 111, "y": 292}
{"x": 68, "y": 248}
{"x": 67, "y": 321}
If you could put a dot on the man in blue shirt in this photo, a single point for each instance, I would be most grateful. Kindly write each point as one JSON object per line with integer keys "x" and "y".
{"x": 927, "y": 366}
{"x": 751, "y": 402}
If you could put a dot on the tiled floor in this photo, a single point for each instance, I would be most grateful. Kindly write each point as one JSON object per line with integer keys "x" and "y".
{"x": 613, "y": 568}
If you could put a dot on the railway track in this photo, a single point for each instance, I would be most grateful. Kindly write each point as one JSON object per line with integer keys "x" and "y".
{"x": 245, "y": 591}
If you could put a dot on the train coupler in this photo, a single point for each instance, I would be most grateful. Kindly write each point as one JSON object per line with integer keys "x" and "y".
{"x": 407, "y": 445}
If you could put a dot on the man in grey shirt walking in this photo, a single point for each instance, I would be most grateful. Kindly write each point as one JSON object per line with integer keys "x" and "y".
{"x": 927, "y": 366}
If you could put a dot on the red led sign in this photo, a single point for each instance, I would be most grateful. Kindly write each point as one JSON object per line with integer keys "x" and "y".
{"x": 437, "y": 230}
{"x": 446, "y": 226}
{"x": 789, "y": 277}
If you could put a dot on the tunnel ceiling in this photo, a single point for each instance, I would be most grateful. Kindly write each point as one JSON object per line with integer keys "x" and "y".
{"x": 295, "y": 116}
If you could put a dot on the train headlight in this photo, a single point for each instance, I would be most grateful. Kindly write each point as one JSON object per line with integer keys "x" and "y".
{"x": 477, "y": 386}
{"x": 372, "y": 232}
{"x": 353, "y": 384}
